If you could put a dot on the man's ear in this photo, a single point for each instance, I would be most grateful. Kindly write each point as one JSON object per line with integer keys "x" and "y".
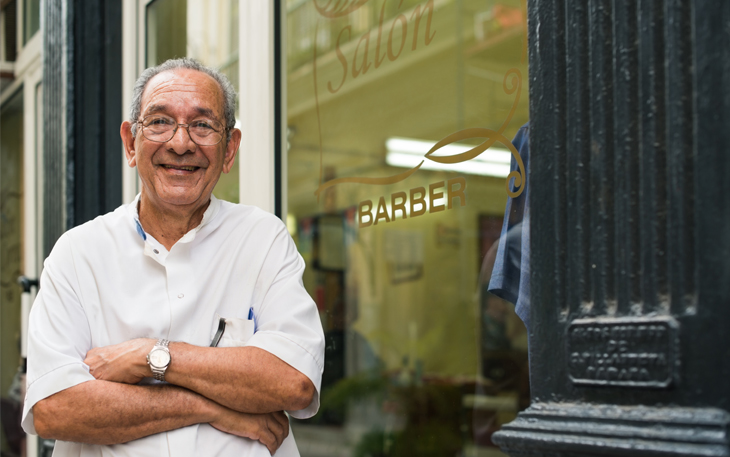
{"x": 231, "y": 150}
{"x": 129, "y": 145}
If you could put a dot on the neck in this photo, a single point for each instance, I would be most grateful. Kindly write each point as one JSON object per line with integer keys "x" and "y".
{"x": 168, "y": 226}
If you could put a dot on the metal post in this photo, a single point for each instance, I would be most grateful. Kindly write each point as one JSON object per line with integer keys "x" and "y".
{"x": 630, "y": 107}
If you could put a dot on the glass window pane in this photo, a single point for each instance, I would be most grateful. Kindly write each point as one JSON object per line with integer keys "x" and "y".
{"x": 166, "y": 30}
{"x": 421, "y": 359}
{"x": 9, "y": 32}
{"x": 11, "y": 245}
{"x": 206, "y": 30}
{"x": 32, "y": 18}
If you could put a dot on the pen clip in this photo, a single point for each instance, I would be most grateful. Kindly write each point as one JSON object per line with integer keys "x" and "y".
{"x": 252, "y": 317}
{"x": 219, "y": 333}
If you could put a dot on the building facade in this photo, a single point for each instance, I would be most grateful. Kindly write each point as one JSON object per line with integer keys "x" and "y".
{"x": 380, "y": 132}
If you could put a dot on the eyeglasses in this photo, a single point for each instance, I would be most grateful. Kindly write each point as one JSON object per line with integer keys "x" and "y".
{"x": 161, "y": 129}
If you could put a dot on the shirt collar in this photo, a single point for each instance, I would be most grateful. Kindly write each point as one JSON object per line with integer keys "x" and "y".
{"x": 208, "y": 216}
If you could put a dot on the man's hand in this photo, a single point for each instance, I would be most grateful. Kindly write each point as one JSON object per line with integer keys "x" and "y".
{"x": 125, "y": 362}
{"x": 269, "y": 429}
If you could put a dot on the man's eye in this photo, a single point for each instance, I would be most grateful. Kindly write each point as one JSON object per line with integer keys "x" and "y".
{"x": 202, "y": 125}
{"x": 159, "y": 121}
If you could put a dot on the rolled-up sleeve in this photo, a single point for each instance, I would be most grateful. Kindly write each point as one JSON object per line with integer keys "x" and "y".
{"x": 58, "y": 333}
{"x": 287, "y": 320}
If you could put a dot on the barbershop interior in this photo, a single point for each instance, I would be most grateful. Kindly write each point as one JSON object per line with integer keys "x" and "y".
{"x": 420, "y": 359}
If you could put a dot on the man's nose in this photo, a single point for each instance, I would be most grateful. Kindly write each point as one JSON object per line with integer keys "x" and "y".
{"x": 181, "y": 142}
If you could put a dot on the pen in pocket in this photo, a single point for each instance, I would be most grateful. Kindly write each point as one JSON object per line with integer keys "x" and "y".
{"x": 219, "y": 333}
{"x": 252, "y": 317}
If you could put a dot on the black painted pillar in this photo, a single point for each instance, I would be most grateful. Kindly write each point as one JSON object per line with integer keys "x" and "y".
{"x": 56, "y": 43}
{"x": 82, "y": 73}
{"x": 97, "y": 109}
{"x": 630, "y": 131}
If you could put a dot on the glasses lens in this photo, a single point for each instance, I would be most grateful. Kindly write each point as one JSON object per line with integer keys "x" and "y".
{"x": 205, "y": 132}
{"x": 158, "y": 126}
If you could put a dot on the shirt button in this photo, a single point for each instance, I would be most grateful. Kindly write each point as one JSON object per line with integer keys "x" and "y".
{"x": 155, "y": 251}
{"x": 180, "y": 295}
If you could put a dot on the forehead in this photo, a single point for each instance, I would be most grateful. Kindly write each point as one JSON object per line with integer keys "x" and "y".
{"x": 182, "y": 89}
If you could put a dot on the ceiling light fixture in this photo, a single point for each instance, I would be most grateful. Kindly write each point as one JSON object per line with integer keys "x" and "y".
{"x": 408, "y": 152}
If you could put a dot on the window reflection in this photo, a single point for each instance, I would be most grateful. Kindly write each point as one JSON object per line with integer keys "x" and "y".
{"x": 31, "y": 18}
{"x": 11, "y": 267}
{"x": 420, "y": 359}
{"x": 206, "y": 30}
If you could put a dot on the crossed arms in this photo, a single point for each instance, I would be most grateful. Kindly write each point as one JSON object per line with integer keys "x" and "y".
{"x": 238, "y": 390}
{"x": 241, "y": 391}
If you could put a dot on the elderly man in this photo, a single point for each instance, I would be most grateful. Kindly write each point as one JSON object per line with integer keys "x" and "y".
{"x": 120, "y": 359}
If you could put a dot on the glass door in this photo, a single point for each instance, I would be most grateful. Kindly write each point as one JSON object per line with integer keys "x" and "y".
{"x": 400, "y": 115}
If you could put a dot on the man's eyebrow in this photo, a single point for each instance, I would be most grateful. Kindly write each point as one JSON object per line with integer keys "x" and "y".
{"x": 153, "y": 109}
{"x": 207, "y": 112}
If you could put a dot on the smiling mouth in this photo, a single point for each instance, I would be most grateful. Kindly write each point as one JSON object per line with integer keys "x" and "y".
{"x": 177, "y": 167}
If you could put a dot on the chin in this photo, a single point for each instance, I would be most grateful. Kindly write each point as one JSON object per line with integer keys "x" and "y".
{"x": 171, "y": 195}
{"x": 182, "y": 198}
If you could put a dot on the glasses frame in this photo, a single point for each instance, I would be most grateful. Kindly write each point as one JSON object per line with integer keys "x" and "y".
{"x": 174, "y": 131}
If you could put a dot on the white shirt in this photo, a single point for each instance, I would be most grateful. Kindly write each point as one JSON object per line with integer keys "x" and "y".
{"x": 106, "y": 282}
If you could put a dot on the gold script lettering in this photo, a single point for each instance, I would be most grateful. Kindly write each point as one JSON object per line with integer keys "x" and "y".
{"x": 433, "y": 196}
{"x": 361, "y": 211}
{"x": 512, "y": 84}
{"x": 343, "y": 61}
{"x": 398, "y": 206}
{"x": 382, "y": 212}
{"x": 454, "y": 193}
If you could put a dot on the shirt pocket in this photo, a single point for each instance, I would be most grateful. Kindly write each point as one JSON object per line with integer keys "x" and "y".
{"x": 237, "y": 332}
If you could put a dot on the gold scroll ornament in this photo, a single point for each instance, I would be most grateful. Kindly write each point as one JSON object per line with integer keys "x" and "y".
{"x": 338, "y": 8}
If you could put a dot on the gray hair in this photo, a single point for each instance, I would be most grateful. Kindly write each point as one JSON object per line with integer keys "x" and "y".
{"x": 229, "y": 93}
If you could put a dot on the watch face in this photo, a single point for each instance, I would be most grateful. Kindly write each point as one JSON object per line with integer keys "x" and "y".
{"x": 159, "y": 358}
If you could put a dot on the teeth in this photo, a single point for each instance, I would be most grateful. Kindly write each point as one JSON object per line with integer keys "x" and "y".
{"x": 180, "y": 168}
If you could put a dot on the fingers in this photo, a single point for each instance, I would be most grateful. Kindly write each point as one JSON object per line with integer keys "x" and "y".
{"x": 124, "y": 362}
{"x": 269, "y": 440}
{"x": 269, "y": 429}
{"x": 91, "y": 356}
{"x": 275, "y": 429}
{"x": 282, "y": 419}
{"x": 94, "y": 359}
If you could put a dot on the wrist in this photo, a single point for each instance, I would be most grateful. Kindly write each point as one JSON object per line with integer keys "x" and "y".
{"x": 210, "y": 411}
{"x": 142, "y": 364}
{"x": 196, "y": 408}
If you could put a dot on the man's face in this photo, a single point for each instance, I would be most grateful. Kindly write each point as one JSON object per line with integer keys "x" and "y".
{"x": 179, "y": 172}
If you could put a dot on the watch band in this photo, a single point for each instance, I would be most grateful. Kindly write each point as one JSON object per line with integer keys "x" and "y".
{"x": 159, "y": 372}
